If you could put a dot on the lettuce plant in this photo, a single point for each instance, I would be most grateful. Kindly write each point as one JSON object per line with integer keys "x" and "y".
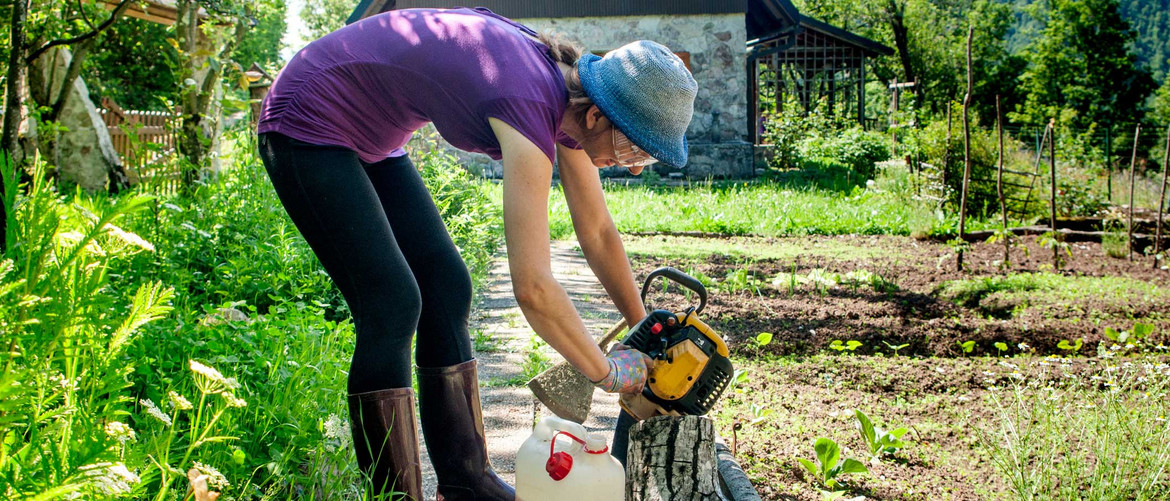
{"x": 829, "y": 466}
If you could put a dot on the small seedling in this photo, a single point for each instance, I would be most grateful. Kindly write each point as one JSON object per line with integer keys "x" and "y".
{"x": 759, "y": 413}
{"x": 1002, "y": 347}
{"x": 762, "y": 339}
{"x": 740, "y": 378}
{"x": 895, "y": 347}
{"x": 826, "y": 470}
{"x": 482, "y": 342}
{"x": 850, "y": 346}
{"x": 879, "y": 441}
{"x": 1065, "y": 345}
{"x": 967, "y": 346}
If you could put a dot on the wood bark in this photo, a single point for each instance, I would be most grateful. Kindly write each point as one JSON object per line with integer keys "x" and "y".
{"x": 1132, "y": 165}
{"x": 672, "y": 459}
{"x": 12, "y": 107}
{"x": 966, "y": 150}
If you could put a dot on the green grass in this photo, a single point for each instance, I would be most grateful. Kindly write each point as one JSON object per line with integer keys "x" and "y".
{"x": 791, "y": 206}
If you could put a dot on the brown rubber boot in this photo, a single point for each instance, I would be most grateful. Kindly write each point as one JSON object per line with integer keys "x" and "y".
{"x": 386, "y": 441}
{"x": 452, "y": 423}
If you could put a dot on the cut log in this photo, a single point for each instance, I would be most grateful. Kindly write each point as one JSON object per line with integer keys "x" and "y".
{"x": 672, "y": 459}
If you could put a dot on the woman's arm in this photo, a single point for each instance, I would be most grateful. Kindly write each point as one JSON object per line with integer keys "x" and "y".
{"x": 596, "y": 232}
{"x": 546, "y": 306}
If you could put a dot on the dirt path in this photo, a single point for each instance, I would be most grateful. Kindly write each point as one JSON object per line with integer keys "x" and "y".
{"x": 509, "y": 408}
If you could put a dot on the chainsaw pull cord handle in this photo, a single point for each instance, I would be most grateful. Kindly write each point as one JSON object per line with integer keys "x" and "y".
{"x": 680, "y": 278}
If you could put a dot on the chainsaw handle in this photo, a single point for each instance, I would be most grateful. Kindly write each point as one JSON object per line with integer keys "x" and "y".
{"x": 680, "y": 278}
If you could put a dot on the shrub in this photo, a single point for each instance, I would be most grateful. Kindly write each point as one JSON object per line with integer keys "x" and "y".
{"x": 856, "y": 148}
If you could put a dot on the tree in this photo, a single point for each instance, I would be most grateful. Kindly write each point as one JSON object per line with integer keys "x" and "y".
{"x": 1081, "y": 67}
{"x": 1161, "y": 111}
{"x": 323, "y": 16}
{"x": 262, "y": 43}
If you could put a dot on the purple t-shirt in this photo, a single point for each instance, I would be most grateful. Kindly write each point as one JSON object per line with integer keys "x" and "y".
{"x": 369, "y": 85}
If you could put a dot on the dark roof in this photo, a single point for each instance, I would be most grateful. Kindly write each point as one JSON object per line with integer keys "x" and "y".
{"x": 771, "y": 19}
{"x": 845, "y": 36}
{"x": 521, "y": 9}
{"x": 767, "y": 18}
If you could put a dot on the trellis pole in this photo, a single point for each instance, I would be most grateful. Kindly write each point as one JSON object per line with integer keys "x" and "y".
{"x": 966, "y": 152}
{"x": 1052, "y": 195}
{"x": 999, "y": 185}
{"x": 1162, "y": 200}
{"x": 1132, "y": 171}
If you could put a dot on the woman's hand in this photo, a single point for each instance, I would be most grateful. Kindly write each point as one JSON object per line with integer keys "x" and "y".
{"x": 628, "y": 370}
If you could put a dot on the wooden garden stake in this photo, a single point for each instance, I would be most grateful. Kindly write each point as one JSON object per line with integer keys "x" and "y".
{"x": 1052, "y": 195}
{"x": 1162, "y": 200}
{"x": 1036, "y": 168}
{"x": 946, "y": 153}
{"x": 966, "y": 152}
{"x": 999, "y": 185}
{"x": 1132, "y": 164}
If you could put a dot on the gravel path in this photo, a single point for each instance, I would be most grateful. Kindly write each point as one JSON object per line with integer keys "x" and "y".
{"x": 509, "y": 409}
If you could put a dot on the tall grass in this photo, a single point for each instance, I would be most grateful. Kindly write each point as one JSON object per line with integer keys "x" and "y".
{"x": 1104, "y": 437}
{"x": 147, "y": 336}
{"x": 888, "y": 205}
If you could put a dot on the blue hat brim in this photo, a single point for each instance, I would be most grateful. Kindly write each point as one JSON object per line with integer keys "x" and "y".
{"x": 671, "y": 151}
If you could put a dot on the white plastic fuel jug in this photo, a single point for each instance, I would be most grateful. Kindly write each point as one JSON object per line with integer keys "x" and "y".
{"x": 561, "y": 461}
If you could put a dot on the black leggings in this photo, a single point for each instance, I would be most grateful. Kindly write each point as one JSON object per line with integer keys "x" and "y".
{"x": 376, "y": 230}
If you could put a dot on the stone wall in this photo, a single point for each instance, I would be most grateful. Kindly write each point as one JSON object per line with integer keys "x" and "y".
{"x": 717, "y": 47}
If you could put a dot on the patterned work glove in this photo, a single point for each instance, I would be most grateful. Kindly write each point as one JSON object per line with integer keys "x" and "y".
{"x": 628, "y": 369}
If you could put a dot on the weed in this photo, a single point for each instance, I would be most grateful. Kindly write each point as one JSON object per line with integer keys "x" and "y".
{"x": 967, "y": 346}
{"x": 1065, "y": 345}
{"x": 1002, "y": 347}
{"x": 535, "y": 361}
{"x": 740, "y": 280}
{"x": 482, "y": 342}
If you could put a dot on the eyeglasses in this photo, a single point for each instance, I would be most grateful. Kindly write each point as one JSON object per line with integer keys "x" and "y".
{"x": 627, "y": 153}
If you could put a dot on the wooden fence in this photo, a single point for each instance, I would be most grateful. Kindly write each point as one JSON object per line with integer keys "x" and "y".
{"x": 145, "y": 140}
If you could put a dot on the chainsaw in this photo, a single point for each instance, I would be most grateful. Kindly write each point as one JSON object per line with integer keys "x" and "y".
{"x": 690, "y": 368}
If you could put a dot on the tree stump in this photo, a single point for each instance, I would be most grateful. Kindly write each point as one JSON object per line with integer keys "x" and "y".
{"x": 672, "y": 459}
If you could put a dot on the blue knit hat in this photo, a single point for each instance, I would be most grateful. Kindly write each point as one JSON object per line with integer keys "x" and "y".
{"x": 647, "y": 92}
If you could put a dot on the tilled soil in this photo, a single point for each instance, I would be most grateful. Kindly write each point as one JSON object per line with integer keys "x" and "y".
{"x": 915, "y": 312}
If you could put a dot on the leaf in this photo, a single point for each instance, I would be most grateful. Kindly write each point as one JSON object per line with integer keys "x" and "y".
{"x": 897, "y": 433}
{"x": 866, "y": 427}
{"x": 853, "y": 345}
{"x": 828, "y": 452}
{"x": 968, "y": 346}
{"x": 1001, "y": 346}
{"x": 1112, "y": 333}
{"x": 837, "y": 345}
{"x": 763, "y": 338}
{"x": 810, "y": 467}
{"x": 853, "y": 466}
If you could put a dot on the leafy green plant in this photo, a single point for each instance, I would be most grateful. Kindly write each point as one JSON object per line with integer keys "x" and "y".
{"x": 738, "y": 280}
{"x": 879, "y": 441}
{"x": 1134, "y": 335}
{"x": 821, "y": 280}
{"x": 829, "y": 468}
{"x": 967, "y": 346}
{"x": 1055, "y": 241}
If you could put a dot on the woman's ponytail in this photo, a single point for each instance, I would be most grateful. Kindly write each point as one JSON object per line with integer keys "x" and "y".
{"x": 567, "y": 52}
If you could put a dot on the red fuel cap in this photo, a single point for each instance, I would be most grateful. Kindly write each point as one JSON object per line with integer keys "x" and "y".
{"x": 558, "y": 465}
{"x": 656, "y": 328}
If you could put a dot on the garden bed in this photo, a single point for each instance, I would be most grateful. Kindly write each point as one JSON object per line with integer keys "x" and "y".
{"x": 888, "y": 291}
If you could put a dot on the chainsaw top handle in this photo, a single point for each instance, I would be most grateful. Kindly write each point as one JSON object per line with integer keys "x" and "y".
{"x": 682, "y": 279}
